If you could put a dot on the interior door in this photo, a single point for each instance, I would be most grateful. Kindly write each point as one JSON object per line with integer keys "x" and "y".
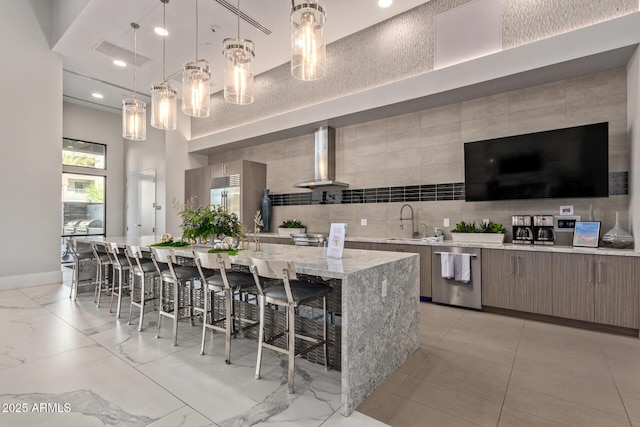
{"x": 141, "y": 204}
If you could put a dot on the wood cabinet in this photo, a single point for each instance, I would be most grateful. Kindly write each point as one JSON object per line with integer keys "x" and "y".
{"x": 616, "y": 291}
{"x": 278, "y": 240}
{"x": 517, "y": 280}
{"x": 196, "y": 187}
{"x": 425, "y": 261}
{"x": 357, "y": 245}
{"x": 574, "y": 286}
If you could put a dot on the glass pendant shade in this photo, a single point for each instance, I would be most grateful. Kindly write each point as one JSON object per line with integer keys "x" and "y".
{"x": 134, "y": 119}
{"x": 308, "y": 51}
{"x": 164, "y": 101}
{"x": 196, "y": 79}
{"x": 238, "y": 75}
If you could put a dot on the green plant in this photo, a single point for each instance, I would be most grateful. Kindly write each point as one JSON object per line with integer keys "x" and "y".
{"x": 489, "y": 227}
{"x": 207, "y": 221}
{"x": 292, "y": 223}
{"x": 492, "y": 227}
{"x": 463, "y": 227}
{"x": 95, "y": 193}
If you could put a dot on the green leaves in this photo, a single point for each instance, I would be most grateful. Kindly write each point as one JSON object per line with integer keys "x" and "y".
{"x": 292, "y": 223}
{"x": 489, "y": 227}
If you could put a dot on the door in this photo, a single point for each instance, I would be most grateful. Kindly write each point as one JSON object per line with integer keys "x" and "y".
{"x": 141, "y": 204}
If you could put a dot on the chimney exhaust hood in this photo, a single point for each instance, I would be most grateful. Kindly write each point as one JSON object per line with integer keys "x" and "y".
{"x": 325, "y": 162}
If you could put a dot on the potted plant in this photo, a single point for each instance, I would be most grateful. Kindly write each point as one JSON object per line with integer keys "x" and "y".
{"x": 291, "y": 226}
{"x": 208, "y": 223}
{"x": 488, "y": 232}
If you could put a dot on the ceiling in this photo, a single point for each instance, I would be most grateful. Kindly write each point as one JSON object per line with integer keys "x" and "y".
{"x": 87, "y": 70}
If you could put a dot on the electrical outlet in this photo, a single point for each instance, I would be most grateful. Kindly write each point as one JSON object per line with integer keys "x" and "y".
{"x": 446, "y": 222}
{"x": 363, "y": 222}
{"x": 384, "y": 287}
{"x": 485, "y": 221}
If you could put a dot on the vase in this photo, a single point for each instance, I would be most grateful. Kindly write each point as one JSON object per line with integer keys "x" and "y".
{"x": 617, "y": 237}
{"x": 265, "y": 211}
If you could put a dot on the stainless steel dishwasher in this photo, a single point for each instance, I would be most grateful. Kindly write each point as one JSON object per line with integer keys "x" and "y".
{"x": 450, "y": 291}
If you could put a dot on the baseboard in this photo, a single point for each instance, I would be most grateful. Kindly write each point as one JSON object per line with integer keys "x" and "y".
{"x": 29, "y": 280}
{"x": 592, "y": 326}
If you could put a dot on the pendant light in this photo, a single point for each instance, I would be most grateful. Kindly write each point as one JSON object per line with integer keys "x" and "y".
{"x": 238, "y": 76}
{"x": 164, "y": 96}
{"x": 308, "y": 51}
{"x": 195, "y": 84}
{"x": 134, "y": 112}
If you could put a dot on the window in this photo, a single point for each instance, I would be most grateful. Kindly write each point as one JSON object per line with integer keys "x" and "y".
{"x": 83, "y": 154}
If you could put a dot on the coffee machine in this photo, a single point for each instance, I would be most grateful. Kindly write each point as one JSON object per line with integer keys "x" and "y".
{"x": 543, "y": 233}
{"x": 522, "y": 229}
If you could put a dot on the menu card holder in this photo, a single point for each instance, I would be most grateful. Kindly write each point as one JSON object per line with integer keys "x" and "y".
{"x": 335, "y": 245}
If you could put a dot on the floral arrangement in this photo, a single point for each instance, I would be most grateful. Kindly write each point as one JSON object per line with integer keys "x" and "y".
{"x": 207, "y": 222}
{"x": 292, "y": 223}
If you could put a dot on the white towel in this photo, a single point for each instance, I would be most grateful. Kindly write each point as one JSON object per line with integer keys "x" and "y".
{"x": 447, "y": 264}
{"x": 462, "y": 267}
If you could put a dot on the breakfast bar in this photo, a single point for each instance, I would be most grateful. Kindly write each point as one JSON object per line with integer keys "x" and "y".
{"x": 380, "y": 306}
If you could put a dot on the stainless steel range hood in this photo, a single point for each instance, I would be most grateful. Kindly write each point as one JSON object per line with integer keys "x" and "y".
{"x": 325, "y": 162}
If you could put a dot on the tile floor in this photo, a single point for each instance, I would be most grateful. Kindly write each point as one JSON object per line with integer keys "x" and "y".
{"x": 476, "y": 368}
{"x": 472, "y": 368}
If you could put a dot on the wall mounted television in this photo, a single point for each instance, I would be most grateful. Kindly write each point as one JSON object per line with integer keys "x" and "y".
{"x": 562, "y": 163}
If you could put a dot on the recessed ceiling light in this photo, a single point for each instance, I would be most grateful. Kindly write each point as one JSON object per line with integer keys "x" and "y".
{"x": 161, "y": 31}
{"x": 97, "y": 95}
{"x": 384, "y": 3}
{"x": 119, "y": 63}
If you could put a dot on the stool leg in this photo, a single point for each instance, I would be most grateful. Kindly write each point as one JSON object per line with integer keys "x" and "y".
{"x": 143, "y": 280}
{"x": 228, "y": 295}
{"x": 324, "y": 330}
{"x": 119, "y": 293}
{"x": 176, "y": 314}
{"x": 204, "y": 317}
{"x": 160, "y": 306}
{"x": 260, "y": 335}
{"x": 132, "y": 287}
{"x": 292, "y": 348}
{"x": 96, "y": 298}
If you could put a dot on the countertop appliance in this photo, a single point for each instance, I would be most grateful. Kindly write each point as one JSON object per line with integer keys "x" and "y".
{"x": 452, "y": 292}
{"x": 522, "y": 229}
{"x": 543, "y": 233}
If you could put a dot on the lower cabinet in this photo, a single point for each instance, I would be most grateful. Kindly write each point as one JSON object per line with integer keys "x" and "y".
{"x": 616, "y": 290}
{"x": 517, "y": 280}
{"x": 574, "y": 286}
{"x": 425, "y": 261}
{"x": 357, "y": 245}
{"x": 278, "y": 240}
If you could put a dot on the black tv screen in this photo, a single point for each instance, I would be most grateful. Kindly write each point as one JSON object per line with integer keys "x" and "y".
{"x": 567, "y": 163}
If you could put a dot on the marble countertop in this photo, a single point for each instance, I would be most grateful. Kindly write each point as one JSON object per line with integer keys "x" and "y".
{"x": 504, "y": 246}
{"x": 308, "y": 259}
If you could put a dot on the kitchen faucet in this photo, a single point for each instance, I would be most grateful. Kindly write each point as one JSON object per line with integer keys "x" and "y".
{"x": 413, "y": 233}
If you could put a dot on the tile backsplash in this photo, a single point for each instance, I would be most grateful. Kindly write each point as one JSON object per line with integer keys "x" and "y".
{"x": 417, "y": 158}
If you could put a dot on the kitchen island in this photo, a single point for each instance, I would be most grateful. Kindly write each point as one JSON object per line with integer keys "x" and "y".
{"x": 380, "y": 307}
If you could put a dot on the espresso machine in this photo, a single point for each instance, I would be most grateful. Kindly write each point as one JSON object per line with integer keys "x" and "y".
{"x": 543, "y": 233}
{"x": 523, "y": 229}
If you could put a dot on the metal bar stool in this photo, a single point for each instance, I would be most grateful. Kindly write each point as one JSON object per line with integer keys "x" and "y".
{"x": 289, "y": 293}
{"x": 120, "y": 265}
{"x": 145, "y": 269}
{"x": 216, "y": 278}
{"x": 102, "y": 278}
{"x": 175, "y": 280}
{"x": 78, "y": 258}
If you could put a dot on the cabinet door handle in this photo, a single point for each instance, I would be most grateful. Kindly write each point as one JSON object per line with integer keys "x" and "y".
{"x": 600, "y": 268}
{"x": 511, "y": 266}
{"x": 590, "y": 270}
{"x": 518, "y": 265}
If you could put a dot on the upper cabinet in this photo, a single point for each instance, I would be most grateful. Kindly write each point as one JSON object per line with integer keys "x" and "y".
{"x": 236, "y": 185}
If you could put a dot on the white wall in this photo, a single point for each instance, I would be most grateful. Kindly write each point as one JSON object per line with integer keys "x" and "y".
{"x": 633, "y": 124}
{"x": 30, "y": 151}
{"x": 89, "y": 124}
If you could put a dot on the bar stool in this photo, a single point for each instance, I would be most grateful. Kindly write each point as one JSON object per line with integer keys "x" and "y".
{"x": 215, "y": 278}
{"x": 145, "y": 269}
{"x": 289, "y": 293}
{"x": 175, "y": 280}
{"x": 102, "y": 278}
{"x": 120, "y": 265}
{"x": 78, "y": 258}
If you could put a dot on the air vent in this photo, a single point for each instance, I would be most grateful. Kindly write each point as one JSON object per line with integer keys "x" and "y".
{"x": 249, "y": 20}
{"x": 118, "y": 52}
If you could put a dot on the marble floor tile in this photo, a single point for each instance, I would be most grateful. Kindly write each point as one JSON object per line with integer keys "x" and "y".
{"x": 183, "y": 417}
{"x": 47, "y": 294}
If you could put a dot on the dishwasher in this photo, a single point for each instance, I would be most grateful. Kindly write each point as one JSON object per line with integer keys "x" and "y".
{"x": 450, "y": 291}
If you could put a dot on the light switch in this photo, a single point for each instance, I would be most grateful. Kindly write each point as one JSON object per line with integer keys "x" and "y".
{"x": 446, "y": 222}
{"x": 363, "y": 221}
{"x": 385, "y": 284}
